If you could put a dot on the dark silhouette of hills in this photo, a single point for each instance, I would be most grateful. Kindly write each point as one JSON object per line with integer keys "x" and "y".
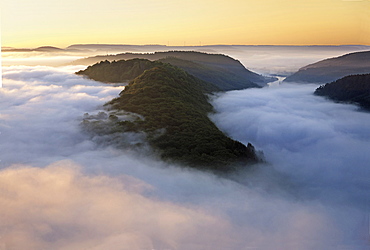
{"x": 175, "y": 108}
{"x": 115, "y": 47}
{"x": 223, "y": 71}
{"x": 40, "y": 49}
{"x": 225, "y": 75}
{"x": 11, "y": 49}
{"x": 333, "y": 69}
{"x": 120, "y": 48}
{"x": 209, "y": 48}
{"x": 351, "y": 89}
{"x": 48, "y": 49}
{"x": 117, "y": 72}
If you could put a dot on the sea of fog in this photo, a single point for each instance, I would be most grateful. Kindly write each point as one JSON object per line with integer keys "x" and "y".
{"x": 62, "y": 189}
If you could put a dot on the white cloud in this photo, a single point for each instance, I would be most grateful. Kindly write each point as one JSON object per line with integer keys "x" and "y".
{"x": 60, "y": 190}
{"x": 281, "y": 59}
{"x": 318, "y": 143}
{"x": 59, "y": 207}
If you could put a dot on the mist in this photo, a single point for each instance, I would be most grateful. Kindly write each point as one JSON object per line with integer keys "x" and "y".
{"x": 266, "y": 60}
{"x": 61, "y": 189}
{"x": 321, "y": 145}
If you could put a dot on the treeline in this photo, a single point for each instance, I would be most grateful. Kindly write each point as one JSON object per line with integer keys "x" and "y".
{"x": 117, "y": 71}
{"x": 224, "y": 72}
{"x": 352, "y": 89}
{"x": 175, "y": 108}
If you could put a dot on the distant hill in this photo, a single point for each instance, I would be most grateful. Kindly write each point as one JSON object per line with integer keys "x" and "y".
{"x": 221, "y": 70}
{"x": 175, "y": 108}
{"x": 352, "y": 89}
{"x": 39, "y": 49}
{"x": 114, "y": 47}
{"x": 48, "y": 49}
{"x": 333, "y": 69}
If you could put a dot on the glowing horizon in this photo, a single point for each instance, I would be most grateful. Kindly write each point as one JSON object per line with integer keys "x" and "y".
{"x": 191, "y": 23}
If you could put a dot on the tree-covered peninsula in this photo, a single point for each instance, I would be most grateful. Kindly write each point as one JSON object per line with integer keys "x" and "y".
{"x": 353, "y": 89}
{"x": 222, "y": 71}
{"x": 332, "y": 69}
{"x": 174, "y": 106}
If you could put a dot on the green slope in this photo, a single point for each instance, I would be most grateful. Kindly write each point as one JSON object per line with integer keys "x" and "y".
{"x": 223, "y": 71}
{"x": 224, "y": 77}
{"x": 175, "y": 107}
{"x": 117, "y": 72}
{"x": 351, "y": 89}
{"x": 125, "y": 71}
{"x": 332, "y": 69}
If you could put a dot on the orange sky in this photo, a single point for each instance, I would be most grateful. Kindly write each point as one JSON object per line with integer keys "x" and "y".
{"x": 35, "y": 23}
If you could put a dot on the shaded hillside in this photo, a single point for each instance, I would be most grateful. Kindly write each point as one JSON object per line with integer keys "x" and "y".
{"x": 224, "y": 76}
{"x": 174, "y": 108}
{"x": 185, "y": 55}
{"x": 351, "y": 89}
{"x": 229, "y": 73}
{"x": 117, "y": 72}
{"x": 39, "y": 49}
{"x": 333, "y": 69}
{"x": 48, "y": 49}
{"x": 125, "y": 71}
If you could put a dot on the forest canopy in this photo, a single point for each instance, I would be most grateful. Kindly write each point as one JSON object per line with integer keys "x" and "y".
{"x": 175, "y": 108}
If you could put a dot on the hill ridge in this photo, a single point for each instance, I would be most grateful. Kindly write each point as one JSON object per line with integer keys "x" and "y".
{"x": 223, "y": 71}
{"x": 332, "y": 69}
{"x": 175, "y": 108}
{"x": 350, "y": 89}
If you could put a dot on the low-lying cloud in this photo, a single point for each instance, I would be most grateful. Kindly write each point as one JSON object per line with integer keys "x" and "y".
{"x": 321, "y": 144}
{"x": 57, "y": 207}
{"x": 281, "y": 60}
{"x": 61, "y": 190}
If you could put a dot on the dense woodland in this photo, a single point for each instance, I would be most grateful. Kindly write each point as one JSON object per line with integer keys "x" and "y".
{"x": 175, "y": 108}
{"x": 222, "y": 71}
{"x": 352, "y": 89}
{"x": 117, "y": 72}
{"x": 332, "y": 69}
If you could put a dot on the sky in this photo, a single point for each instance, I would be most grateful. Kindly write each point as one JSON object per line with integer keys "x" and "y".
{"x": 176, "y": 22}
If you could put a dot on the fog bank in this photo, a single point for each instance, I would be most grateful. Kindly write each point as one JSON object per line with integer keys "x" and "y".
{"x": 62, "y": 190}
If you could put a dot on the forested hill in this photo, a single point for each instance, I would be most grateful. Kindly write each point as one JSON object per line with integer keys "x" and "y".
{"x": 223, "y": 71}
{"x": 125, "y": 71}
{"x": 225, "y": 78}
{"x": 175, "y": 107}
{"x": 117, "y": 72}
{"x": 352, "y": 89}
{"x": 333, "y": 68}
